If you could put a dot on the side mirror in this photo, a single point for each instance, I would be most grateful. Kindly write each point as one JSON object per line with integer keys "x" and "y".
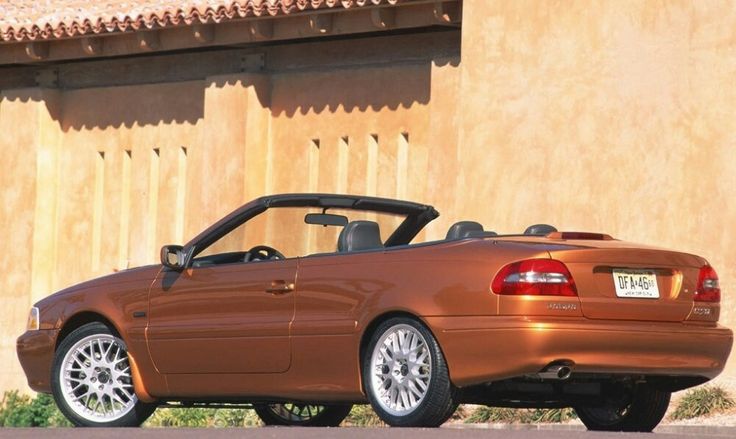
{"x": 173, "y": 257}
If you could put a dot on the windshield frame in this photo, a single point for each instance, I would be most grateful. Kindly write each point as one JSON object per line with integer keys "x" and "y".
{"x": 417, "y": 216}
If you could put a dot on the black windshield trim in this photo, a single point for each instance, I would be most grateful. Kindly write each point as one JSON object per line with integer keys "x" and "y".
{"x": 417, "y": 215}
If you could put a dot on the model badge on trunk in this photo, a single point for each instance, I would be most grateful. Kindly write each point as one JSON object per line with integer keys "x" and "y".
{"x": 556, "y": 306}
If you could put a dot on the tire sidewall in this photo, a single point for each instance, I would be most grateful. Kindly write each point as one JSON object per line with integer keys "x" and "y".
{"x": 440, "y": 389}
{"x": 134, "y": 418}
{"x": 645, "y": 411}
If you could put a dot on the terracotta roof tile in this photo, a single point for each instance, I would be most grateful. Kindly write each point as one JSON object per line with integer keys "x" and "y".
{"x": 48, "y": 19}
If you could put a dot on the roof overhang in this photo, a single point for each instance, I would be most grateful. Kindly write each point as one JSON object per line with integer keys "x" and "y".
{"x": 332, "y": 18}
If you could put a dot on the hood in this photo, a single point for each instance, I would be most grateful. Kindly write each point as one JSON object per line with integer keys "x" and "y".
{"x": 106, "y": 281}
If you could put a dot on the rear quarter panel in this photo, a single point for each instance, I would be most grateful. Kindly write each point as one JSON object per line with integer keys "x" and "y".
{"x": 340, "y": 296}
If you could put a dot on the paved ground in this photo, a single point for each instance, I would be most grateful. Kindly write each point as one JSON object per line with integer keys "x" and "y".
{"x": 518, "y": 432}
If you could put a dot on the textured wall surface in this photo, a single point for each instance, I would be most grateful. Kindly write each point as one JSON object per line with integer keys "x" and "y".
{"x": 99, "y": 178}
{"x": 591, "y": 115}
{"x": 604, "y": 116}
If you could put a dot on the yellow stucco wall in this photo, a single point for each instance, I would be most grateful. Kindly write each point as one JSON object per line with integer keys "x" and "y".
{"x": 613, "y": 116}
{"x": 603, "y": 116}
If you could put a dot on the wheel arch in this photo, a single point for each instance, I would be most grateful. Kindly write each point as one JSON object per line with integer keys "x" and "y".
{"x": 80, "y": 319}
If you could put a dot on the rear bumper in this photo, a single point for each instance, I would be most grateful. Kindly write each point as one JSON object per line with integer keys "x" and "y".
{"x": 483, "y": 349}
{"x": 36, "y": 353}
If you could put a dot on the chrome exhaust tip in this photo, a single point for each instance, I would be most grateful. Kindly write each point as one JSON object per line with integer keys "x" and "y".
{"x": 556, "y": 372}
{"x": 564, "y": 372}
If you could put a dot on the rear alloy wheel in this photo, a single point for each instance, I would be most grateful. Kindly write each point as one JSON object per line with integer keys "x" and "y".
{"x": 91, "y": 380}
{"x": 302, "y": 415}
{"x": 406, "y": 377}
{"x": 641, "y": 412}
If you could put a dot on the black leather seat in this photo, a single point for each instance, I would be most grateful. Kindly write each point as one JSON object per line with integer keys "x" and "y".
{"x": 464, "y": 229}
{"x": 539, "y": 230}
{"x": 359, "y": 235}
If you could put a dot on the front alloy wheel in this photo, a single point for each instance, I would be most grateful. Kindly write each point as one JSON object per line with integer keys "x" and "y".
{"x": 92, "y": 382}
{"x": 302, "y": 415}
{"x": 406, "y": 377}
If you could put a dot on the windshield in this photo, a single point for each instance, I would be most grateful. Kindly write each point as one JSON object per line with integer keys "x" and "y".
{"x": 285, "y": 229}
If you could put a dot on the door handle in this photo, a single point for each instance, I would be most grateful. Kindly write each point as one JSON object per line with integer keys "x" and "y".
{"x": 280, "y": 287}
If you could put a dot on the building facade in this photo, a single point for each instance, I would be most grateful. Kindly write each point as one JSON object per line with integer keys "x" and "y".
{"x": 120, "y": 134}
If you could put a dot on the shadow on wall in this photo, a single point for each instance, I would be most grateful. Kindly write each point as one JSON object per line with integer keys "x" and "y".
{"x": 364, "y": 88}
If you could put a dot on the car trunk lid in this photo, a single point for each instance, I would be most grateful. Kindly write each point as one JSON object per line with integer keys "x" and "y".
{"x": 600, "y": 267}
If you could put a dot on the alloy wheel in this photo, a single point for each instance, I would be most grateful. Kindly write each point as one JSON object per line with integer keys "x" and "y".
{"x": 95, "y": 379}
{"x": 401, "y": 370}
{"x": 296, "y": 413}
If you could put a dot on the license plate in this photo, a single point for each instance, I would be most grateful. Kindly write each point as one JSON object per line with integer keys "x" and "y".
{"x": 636, "y": 284}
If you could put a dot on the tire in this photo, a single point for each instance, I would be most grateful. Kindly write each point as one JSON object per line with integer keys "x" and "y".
{"x": 91, "y": 369}
{"x": 302, "y": 415}
{"x": 406, "y": 377}
{"x": 641, "y": 413}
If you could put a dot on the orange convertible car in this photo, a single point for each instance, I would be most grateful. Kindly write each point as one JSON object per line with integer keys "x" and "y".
{"x": 302, "y": 305}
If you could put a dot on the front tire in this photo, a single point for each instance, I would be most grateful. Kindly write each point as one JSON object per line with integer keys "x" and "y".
{"x": 91, "y": 380}
{"x": 302, "y": 415}
{"x": 406, "y": 377}
{"x": 640, "y": 411}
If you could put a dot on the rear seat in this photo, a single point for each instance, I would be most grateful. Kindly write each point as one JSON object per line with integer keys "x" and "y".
{"x": 467, "y": 229}
{"x": 539, "y": 230}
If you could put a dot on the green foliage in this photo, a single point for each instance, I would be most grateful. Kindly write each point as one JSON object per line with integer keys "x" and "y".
{"x": 460, "y": 414}
{"x": 203, "y": 417}
{"x": 363, "y": 416}
{"x": 703, "y": 401}
{"x": 551, "y": 416}
{"x": 17, "y": 410}
{"x": 503, "y": 415}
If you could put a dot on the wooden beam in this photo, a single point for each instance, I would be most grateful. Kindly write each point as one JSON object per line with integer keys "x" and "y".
{"x": 320, "y": 24}
{"x": 37, "y": 50}
{"x": 47, "y": 78}
{"x": 92, "y": 45}
{"x": 204, "y": 33}
{"x": 447, "y": 12}
{"x": 148, "y": 40}
{"x": 237, "y": 32}
{"x": 383, "y": 18}
{"x": 261, "y": 29}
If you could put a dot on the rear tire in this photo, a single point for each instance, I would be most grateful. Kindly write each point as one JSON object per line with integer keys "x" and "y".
{"x": 302, "y": 415}
{"x": 91, "y": 380}
{"x": 642, "y": 412}
{"x": 406, "y": 377}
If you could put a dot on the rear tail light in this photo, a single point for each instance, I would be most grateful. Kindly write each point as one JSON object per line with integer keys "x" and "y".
{"x": 535, "y": 277}
{"x": 708, "y": 288}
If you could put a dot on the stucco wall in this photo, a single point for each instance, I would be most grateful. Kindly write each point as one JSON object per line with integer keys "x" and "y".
{"x": 604, "y": 116}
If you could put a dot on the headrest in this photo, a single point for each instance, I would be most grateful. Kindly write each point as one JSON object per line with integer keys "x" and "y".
{"x": 539, "y": 230}
{"x": 463, "y": 229}
{"x": 359, "y": 235}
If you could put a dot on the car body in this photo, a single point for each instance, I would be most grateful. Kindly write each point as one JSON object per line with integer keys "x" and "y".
{"x": 299, "y": 329}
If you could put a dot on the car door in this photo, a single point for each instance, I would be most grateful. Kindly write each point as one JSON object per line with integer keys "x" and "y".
{"x": 218, "y": 319}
